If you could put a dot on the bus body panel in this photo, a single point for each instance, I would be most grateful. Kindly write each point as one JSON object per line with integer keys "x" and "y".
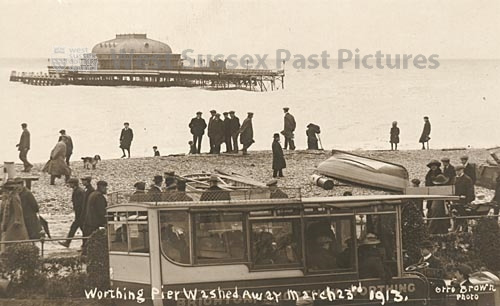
{"x": 130, "y": 268}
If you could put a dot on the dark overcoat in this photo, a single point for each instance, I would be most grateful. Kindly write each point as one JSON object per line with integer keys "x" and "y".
{"x": 464, "y": 187}
{"x": 198, "y": 126}
{"x": 217, "y": 132}
{"x": 11, "y": 219}
{"x": 30, "y": 211}
{"x": 470, "y": 171}
{"x": 438, "y": 210}
{"x": 425, "y": 133}
{"x": 210, "y": 130}
{"x": 450, "y": 173}
{"x": 235, "y": 125}
{"x": 429, "y": 177}
{"x": 246, "y": 132}
{"x": 278, "y": 156}
{"x": 394, "y": 134}
{"x": 24, "y": 142}
{"x": 78, "y": 200}
{"x": 126, "y": 137}
{"x": 96, "y": 210}
{"x": 289, "y": 125}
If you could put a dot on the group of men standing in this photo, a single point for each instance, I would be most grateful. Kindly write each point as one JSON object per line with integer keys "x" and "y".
{"x": 222, "y": 130}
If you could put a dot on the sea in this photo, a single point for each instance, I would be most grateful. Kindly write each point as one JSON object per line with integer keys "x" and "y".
{"x": 354, "y": 108}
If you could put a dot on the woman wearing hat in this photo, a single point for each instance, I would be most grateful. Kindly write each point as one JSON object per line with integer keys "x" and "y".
{"x": 394, "y": 136}
{"x": 434, "y": 170}
{"x": 279, "y": 162}
{"x": 370, "y": 259}
{"x": 438, "y": 210}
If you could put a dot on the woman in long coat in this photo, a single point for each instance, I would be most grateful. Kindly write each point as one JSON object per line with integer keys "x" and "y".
{"x": 12, "y": 225}
{"x": 279, "y": 162}
{"x": 57, "y": 166}
{"x": 434, "y": 171}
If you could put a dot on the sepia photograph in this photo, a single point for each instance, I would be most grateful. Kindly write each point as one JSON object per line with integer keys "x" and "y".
{"x": 249, "y": 152}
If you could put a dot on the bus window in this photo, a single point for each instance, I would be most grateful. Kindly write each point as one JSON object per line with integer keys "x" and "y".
{"x": 377, "y": 245}
{"x": 175, "y": 235}
{"x": 219, "y": 236}
{"x": 139, "y": 238}
{"x": 276, "y": 243}
{"x": 329, "y": 244}
{"x": 118, "y": 237}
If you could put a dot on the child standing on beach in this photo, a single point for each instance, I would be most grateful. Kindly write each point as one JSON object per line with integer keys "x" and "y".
{"x": 394, "y": 136}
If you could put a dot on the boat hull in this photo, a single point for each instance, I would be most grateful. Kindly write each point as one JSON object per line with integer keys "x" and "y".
{"x": 365, "y": 171}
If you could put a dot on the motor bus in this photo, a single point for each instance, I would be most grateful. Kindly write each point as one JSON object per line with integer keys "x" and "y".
{"x": 261, "y": 250}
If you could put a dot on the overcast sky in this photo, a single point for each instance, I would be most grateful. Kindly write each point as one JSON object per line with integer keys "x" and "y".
{"x": 449, "y": 28}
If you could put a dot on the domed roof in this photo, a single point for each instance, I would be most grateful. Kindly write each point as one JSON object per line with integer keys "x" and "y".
{"x": 136, "y": 43}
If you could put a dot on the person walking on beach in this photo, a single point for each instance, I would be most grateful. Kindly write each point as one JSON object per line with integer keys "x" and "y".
{"x": 394, "y": 136}
{"x": 227, "y": 132}
{"x": 87, "y": 183}
{"x": 77, "y": 199}
{"x": 246, "y": 133}
{"x": 96, "y": 208}
{"x": 289, "y": 128}
{"x": 57, "y": 166}
{"x": 197, "y": 126}
{"x": 449, "y": 171}
{"x": 426, "y": 132}
{"x": 210, "y": 131}
{"x": 69, "y": 144}
{"x": 234, "y": 128}
{"x": 312, "y": 138}
{"x": 279, "y": 162}
{"x": 24, "y": 146}
{"x": 126, "y": 137}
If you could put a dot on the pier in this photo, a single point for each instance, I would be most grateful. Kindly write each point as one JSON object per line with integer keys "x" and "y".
{"x": 204, "y": 77}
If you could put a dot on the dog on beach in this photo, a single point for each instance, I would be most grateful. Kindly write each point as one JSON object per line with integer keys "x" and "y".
{"x": 91, "y": 161}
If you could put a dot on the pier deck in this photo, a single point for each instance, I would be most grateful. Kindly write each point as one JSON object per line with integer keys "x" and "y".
{"x": 223, "y": 79}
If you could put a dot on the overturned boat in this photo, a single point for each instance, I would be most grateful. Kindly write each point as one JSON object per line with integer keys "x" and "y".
{"x": 365, "y": 171}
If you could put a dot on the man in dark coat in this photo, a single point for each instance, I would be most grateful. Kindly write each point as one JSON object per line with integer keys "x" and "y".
{"x": 214, "y": 192}
{"x": 279, "y": 162}
{"x": 235, "y": 127}
{"x": 210, "y": 131}
{"x": 126, "y": 137}
{"x": 77, "y": 198}
{"x": 465, "y": 189}
{"x": 96, "y": 208}
{"x": 24, "y": 146}
{"x": 426, "y": 249}
{"x": 449, "y": 170}
{"x": 246, "y": 133}
{"x": 89, "y": 189}
{"x": 426, "y": 132}
{"x": 469, "y": 168}
{"x": 312, "y": 138}
{"x": 289, "y": 128}
{"x": 197, "y": 126}
{"x": 30, "y": 213}
{"x": 227, "y": 132}
{"x": 217, "y": 133}
{"x": 69, "y": 144}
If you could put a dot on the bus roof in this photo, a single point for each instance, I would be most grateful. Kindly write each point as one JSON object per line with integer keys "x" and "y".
{"x": 337, "y": 201}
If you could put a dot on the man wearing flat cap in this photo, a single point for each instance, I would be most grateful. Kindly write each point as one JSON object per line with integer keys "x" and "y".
{"x": 469, "y": 168}
{"x": 289, "y": 128}
{"x": 96, "y": 208}
{"x": 156, "y": 186}
{"x": 210, "y": 131}
{"x": 449, "y": 170}
{"x": 69, "y": 144}
{"x": 426, "y": 132}
{"x": 77, "y": 198}
{"x": 170, "y": 180}
{"x": 197, "y": 127}
{"x": 246, "y": 133}
{"x": 279, "y": 162}
{"x": 276, "y": 193}
{"x": 234, "y": 127}
{"x": 139, "y": 193}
